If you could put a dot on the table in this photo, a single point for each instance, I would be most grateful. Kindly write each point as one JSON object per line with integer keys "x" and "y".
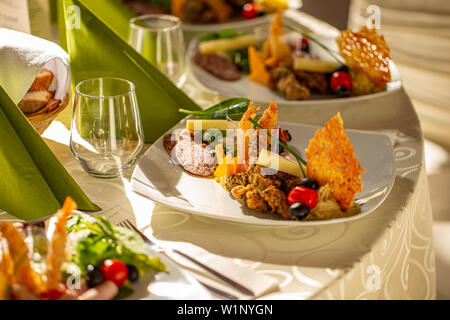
{"x": 386, "y": 255}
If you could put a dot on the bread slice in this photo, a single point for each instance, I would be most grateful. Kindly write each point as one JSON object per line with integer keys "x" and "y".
{"x": 34, "y": 101}
{"x": 51, "y": 105}
{"x": 42, "y": 81}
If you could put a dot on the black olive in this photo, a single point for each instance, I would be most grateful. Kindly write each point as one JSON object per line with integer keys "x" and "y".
{"x": 309, "y": 183}
{"x": 342, "y": 68}
{"x": 94, "y": 276}
{"x": 342, "y": 92}
{"x": 289, "y": 136}
{"x": 133, "y": 273}
{"x": 305, "y": 48}
{"x": 298, "y": 211}
{"x": 280, "y": 149}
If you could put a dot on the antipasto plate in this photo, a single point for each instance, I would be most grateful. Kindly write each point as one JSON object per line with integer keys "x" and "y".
{"x": 216, "y": 190}
{"x": 281, "y": 61}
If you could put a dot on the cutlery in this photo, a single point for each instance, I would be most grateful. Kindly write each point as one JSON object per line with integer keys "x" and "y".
{"x": 127, "y": 224}
{"x": 219, "y": 292}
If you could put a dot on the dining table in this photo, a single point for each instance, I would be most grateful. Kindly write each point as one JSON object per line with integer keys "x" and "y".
{"x": 387, "y": 254}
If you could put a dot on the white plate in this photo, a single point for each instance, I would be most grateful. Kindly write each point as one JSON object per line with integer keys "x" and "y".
{"x": 260, "y": 94}
{"x": 174, "y": 284}
{"x": 157, "y": 178}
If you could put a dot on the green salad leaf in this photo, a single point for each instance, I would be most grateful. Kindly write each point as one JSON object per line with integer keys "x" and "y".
{"x": 96, "y": 239}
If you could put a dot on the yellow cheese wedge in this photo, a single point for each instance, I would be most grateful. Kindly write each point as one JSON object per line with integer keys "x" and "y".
{"x": 314, "y": 65}
{"x": 276, "y": 162}
{"x": 204, "y": 125}
{"x": 213, "y": 46}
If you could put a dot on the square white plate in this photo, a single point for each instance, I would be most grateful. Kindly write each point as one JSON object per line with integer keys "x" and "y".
{"x": 157, "y": 178}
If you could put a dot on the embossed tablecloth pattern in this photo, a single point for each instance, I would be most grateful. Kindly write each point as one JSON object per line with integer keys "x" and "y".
{"x": 386, "y": 255}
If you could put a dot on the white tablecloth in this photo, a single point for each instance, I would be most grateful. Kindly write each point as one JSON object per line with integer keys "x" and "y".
{"x": 386, "y": 255}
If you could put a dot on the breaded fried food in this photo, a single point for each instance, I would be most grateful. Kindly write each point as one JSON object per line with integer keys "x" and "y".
{"x": 366, "y": 51}
{"x": 270, "y": 117}
{"x": 279, "y": 50}
{"x": 57, "y": 247}
{"x": 260, "y": 192}
{"x": 24, "y": 273}
{"x": 239, "y": 179}
{"x": 251, "y": 111}
{"x": 277, "y": 201}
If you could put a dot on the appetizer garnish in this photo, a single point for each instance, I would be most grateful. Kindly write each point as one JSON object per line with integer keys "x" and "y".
{"x": 367, "y": 55}
{"x": 257, "y": 165}
{"x": 87, "y": 258}
{"x": 332, "y": 162}
{"x": 284, "y": 62}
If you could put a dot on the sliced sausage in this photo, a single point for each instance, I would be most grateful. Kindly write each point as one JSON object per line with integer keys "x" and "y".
{"x": 171, "y": 139}
{"x": 194, "y": 158}
{"x": 219, "y": 66}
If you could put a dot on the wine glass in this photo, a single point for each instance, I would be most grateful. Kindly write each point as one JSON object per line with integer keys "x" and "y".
{"x": 159, "y": 39}
{"x": 106, "y": 133}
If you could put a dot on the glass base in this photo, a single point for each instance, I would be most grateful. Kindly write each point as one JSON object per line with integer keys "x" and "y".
{"x": 111, "y": 173}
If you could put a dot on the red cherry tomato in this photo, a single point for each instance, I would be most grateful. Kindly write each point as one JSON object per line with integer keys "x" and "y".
{"x": 340, "y": 78}
{"x": 115, "y": 271}
{"x": 305, "y": 42}
{"x": 56, "y": 294}
{"x": 284, "y": 135}
{"x": 303, "y": 195}
{"x": 251, "y": 10}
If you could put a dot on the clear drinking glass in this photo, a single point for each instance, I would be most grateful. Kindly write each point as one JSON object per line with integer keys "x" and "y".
{"x": 159, "y": 39}
{"x": 106, "y": 134}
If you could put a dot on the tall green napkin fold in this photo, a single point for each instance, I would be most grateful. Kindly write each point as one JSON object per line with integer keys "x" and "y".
{"x": 97, "y": 48}
{"x": 33, "y": 183}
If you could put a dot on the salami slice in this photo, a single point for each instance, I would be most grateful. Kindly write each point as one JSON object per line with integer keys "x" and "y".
{"x": 195, "y": 158}
{"x": 219, "y": 66}
{"x": 171, "y": 139}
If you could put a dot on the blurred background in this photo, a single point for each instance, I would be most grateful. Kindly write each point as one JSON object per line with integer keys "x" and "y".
{"x": 418, "y": 34}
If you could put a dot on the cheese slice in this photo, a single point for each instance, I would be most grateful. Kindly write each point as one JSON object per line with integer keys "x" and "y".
{"x": 204, "y": 125}
{"x": 217, "y": 45}
{"x": 276, "y": 162}
{"x": 314, "y": 65}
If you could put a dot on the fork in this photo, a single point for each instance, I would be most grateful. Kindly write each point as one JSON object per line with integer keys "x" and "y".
{"x": 129, "y": 225}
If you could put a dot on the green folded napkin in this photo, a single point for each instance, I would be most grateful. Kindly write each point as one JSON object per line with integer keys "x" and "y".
{"x": 95, "y": 37}
{"x": 33, "y": 183}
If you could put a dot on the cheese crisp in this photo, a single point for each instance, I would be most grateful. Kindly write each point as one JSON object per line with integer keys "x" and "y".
{"x": 366, "y": 51}
{"x": 331, "y": 160}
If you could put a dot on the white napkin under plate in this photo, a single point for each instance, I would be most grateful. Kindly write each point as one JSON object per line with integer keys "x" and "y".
{"x": 22, "y": 56}
{"x": 258, "y": 283}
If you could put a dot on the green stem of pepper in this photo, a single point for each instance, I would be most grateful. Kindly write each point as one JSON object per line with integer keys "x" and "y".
{"x": 286, "y": 146}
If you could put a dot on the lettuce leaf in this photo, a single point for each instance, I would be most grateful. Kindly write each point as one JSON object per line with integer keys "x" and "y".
{"x": 95, "y": 239}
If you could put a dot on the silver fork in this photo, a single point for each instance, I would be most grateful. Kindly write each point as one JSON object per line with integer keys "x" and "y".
{"x": 129, "y": 225}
